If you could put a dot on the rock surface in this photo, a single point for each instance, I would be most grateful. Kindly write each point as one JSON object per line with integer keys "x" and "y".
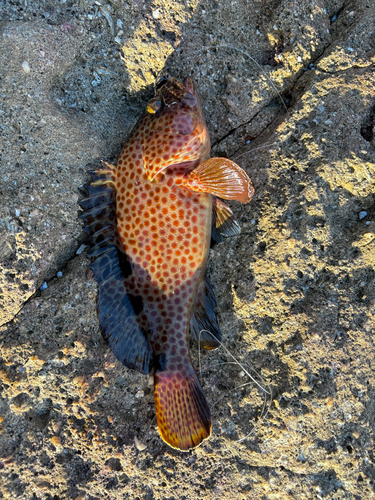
{"x": 296, "y": 289}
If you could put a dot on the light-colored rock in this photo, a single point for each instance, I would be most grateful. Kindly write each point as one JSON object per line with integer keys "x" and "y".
{"x": 295, "y": 289}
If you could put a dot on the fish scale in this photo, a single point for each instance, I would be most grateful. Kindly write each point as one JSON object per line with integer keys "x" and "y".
{"x": 151, "y": 256}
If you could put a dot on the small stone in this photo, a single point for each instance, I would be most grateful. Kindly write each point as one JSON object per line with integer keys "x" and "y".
{"x": 140, "y": 394}
{"x": 26, "y": 67}
{"x": 44, "y": 286}
{"x": 156, "y": 14}
{"x": 59, "y": 274}
{"x": 56, "y": 441}
{"x": 140, "y": 446}
{"x": 362, "y": 215}
{"x": 80, "y": 249}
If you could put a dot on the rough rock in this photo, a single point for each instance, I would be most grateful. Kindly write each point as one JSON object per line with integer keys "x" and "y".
{"x": 288, "y": 91}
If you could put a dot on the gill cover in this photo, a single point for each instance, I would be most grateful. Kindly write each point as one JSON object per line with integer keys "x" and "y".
{"x": 175, "y": 131}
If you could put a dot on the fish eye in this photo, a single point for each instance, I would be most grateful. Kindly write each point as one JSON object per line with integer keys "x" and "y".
{"x": 153, "y": 106}
{"x": 157, "y": 105}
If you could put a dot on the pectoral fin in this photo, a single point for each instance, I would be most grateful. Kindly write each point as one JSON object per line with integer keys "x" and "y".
{"x": 221, "y": 177}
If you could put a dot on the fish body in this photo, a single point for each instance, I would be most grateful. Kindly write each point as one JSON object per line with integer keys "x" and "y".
{"x": 150, "y": 219}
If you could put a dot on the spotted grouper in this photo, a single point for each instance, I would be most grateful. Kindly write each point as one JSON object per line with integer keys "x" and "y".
{"x": 150, "y": 221}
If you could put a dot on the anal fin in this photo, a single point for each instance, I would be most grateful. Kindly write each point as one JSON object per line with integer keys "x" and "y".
{"x": 203, "y": 323}
{"x": 221, "y": 177}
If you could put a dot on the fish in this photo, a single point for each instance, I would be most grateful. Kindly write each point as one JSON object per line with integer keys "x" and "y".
{"x": 150, "y": 221}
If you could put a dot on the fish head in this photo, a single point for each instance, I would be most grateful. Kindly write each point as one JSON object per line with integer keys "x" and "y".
{"x": 175, "y": 132}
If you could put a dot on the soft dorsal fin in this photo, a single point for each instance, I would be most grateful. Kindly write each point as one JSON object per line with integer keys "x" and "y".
{"x": 118, "y": 319}
{"x": 223, "y": 221}
{"x": 203, "y": 323}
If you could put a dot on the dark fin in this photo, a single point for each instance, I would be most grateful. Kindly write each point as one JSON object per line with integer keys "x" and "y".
{"x": 221, "y": 177}
{"x": 116, "y": 314}
{"x": 99, "y": 206}
{"x": 203, "y": 323}
{"x": 223, "y": 221}
{"x": 116, "y": 309}
{"x": 182, "y": 411}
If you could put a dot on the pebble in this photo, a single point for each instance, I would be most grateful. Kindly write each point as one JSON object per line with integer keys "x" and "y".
{"x": 44, "y": 286}
{"x": 59, "y": 274}
{"x": 140, "y": 446}
{"x": 26, "y": 67}
{"x": 362, "y": 215}
{"x": 156, "y": 14}
{"x": 80, "y": 249}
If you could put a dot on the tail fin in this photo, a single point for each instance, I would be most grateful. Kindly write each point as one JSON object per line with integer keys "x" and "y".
{"x": 184, "y": 418}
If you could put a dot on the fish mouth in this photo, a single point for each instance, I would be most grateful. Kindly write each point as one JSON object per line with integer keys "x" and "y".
{"x": 171, "y": 91}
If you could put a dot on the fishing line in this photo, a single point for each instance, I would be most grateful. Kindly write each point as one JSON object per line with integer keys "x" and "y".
{"x": 255, "y": 149}
{"x": 266, "y": 393}
{"x": 236, "y": 361}
{"x": 225, "y": 46}
{"x": 255, "y": 62}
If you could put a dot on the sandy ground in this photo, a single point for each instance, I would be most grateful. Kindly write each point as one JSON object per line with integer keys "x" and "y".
{"x": 296, "y": 289}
